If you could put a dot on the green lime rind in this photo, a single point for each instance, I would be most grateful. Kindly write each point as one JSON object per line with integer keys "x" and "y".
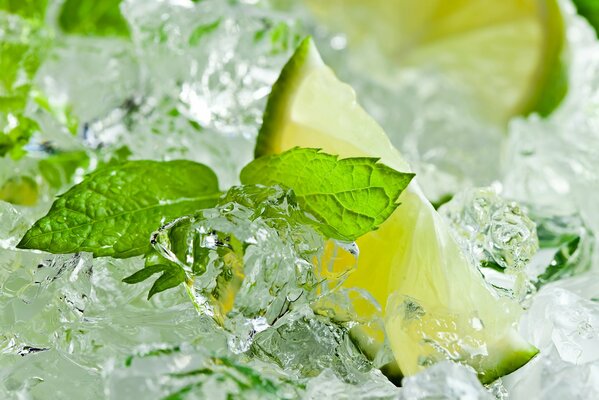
{"x": 276, "y": 105}
{"x": 552, "y": 81}
{"x": 514, "y": 353}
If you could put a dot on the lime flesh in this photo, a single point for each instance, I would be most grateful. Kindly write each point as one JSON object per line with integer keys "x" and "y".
{"x": 508, "y": 53}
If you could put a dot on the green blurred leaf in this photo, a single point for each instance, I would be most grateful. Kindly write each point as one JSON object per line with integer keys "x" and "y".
{"x": 172, "y": 277}
{"x": 32, "y": 9}
{"x": 58, "y": 169}
{"x": 203, "y": 30}
{"x": 93, "y": 18}
{"x": 23, "y": 45}
{"x": 589, "y": 9}
{"x": 21, "y": 190}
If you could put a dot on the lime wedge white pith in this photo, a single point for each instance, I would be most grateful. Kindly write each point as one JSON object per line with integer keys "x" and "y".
{"x": 507, "y": 52}
{"x": 439, "y": 306}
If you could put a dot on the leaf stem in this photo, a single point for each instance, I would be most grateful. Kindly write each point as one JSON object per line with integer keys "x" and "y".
{"x": 192, "y": 297}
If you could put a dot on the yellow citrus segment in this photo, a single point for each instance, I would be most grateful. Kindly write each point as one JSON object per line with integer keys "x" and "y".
{"x": 505, "y": 52}
{"x": 440, "y": 306}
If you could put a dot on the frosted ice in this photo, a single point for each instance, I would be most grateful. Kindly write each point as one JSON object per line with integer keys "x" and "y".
{"x": 307, "y": 345}
{"x": 565, "y": 327}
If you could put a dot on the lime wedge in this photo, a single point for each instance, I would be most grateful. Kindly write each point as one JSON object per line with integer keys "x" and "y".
{"x": 507, "y": 52}
{"x": 436, "y": 305}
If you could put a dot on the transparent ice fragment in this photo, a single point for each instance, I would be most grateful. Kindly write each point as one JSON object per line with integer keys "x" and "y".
{"x": 565, "y": 327}
{"x": 91, "y": 76}
{"x": 444, "y": 381}
{"x": 328, "y": 385}
{"x": 491, "y": 230}
{"x": 567, "y": 247}
{"x": 13, "y": 226}
{"x": 309, "y": 344}
{"x": 495, "y": 234}
{"x": 251, "y": 259}
{"x": 47, "y": 374}
{"x": 561, "y": 319}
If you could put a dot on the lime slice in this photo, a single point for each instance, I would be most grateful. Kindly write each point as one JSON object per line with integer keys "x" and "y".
{"x": 507, "y": 52}
{"x": 439, "y": 306}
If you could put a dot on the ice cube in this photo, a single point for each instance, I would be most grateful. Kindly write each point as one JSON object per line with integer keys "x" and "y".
{"x": 373, "y": 386}
{"x": 444, "y": 380}
{"x": 496, "y": 234}
{"x": 565, "y": 327}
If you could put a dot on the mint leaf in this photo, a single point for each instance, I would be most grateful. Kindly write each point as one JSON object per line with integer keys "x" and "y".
{"x": 203, "y": 30}
{"x": 93, "y": 18}
{"x": 59, "y": 169}
{"x": 115, "y": 209}
{"x": 32, "y": 9}
{"x": 347, "y": 197}
{"x": 23, "y": 45}
{"x": 145, "y": 273}
{"x": 589, "y": 9}
{"x": 172, "y": 276}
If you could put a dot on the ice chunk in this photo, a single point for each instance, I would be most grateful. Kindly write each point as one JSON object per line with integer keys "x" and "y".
{"x": 251, "y": 258}
{"x": 565, "y": 327}
{"x": 373, "y": 386}
{"x": 219, "y": 59}
{"x": 90, "y": 75}
{"x": 567, "y": 247}
{"x": 309, "y": 344}
{"x": 496, "y": 234}
{"x": 491, "y": 230}
{"x": 445, "y": 380}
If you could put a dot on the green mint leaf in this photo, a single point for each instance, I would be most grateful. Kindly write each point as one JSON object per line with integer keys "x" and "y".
{"x": 59, "y": 169}
{"x": 348, "y": 197}
{"x": 23, "y": 46}
{"x": 203, "y": 30}
{"x": 145, "y": 273}
{"x": 32, "y": 9}
{"x": 173, "y": 276}
{"x": 589, "y": 9}
{"x": 115, "y": 209}
{"x": 93, "y": 18}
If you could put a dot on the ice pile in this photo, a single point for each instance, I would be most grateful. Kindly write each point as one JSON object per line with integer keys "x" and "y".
{"x": 250, "y": 258}
{"x": 552, "y": 163}
{"x": 190, "y": 81}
